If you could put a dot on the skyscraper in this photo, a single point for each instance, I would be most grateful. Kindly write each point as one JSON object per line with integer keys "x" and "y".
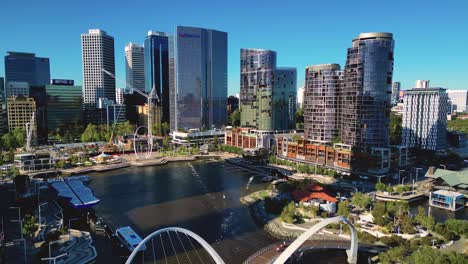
{"x": 135, "y": 66}
{"x": 3, "y": 113}
{"x": 201, "y": 78}
{"x": 459, "y": 100}
{"x": 157, "y": 70}
{"x": 20, "y": 111}
{"x": 396, "y": 86}
{"x": 64, "y": 106}
{"x": 422, "y": 83}
{"x": 366, "y": 91}
{"x": 98, "y": 66}
{"x": 425, "y": 118}
{"x": 300, "y": 97}
{"x": 268, "y": 93}
{"x": 322, "y": 104}
{"x": 26, "y": 67}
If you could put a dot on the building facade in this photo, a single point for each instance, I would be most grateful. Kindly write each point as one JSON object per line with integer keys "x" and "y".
{"x": 157, "y": 68}
{"x": 232, "y": 104}
{"x": 17, "y": 88}
{"x": 424, "y": 123}
{"x": 458, "y": 100}
{"x": 26, "y": 67}
{"x": 300, "y": 97}
{"x": 98, "y": 66}
{"x": 396, "y": 86}
{"x": 322, "y": 104}
{"x": 64, "y": 106}
{"x": 135, "y": 66}
{"x": 422, "y": 83}
{"x": 366, "y": 91}
{"x": 268, "y": 93}
{"x": 201, "y": 78}
{"x": 20, "y": 111}
{"x": 3, "y": 110}
{"x": 119, "y": 95}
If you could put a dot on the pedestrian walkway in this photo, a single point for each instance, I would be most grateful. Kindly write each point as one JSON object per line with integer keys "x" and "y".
{"x": 79, "y": 248}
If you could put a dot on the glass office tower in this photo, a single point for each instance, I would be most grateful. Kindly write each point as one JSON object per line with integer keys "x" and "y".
{"x": 64, "y": 106}
{"x": 3, "y": 113}
{"x": 367, "y": 90}
{"x": 201, "y": 78}
{"x": 284, "y": 99}
{"x": 157, "y": 69}
{"x": 26, "y": 67}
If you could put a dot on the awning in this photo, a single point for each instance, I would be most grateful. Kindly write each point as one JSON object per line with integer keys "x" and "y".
{"x": 76, "y": 192}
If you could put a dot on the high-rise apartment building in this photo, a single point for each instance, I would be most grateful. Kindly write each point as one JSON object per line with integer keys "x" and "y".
{"x": 119, "y": 96}
{"x": 135, "y": 66}
{"x": 201, "y": 78}
{"x": 422, "y": 84}
{"x": 64, "y": 106}
{"x": 266, "y": 91}
{"x": 366, "y": 91}
{"x": 157, "y": 69}
{"x": 98, "y": 66}
{"x": 20, "y": 111}
{"x": 424, "y": 123}
{"x": 26, "y": 67}
{"x": 458, "y": 100}
{"x": 396, "y": 86}
{"x": 322, "y": 104}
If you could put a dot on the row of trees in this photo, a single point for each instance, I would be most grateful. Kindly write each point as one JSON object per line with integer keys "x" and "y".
{"x": 304, "y": 168}
{"x": 388, "y": 188}
{"x": 94, "y": 133}
{"x": 423, "y": 255}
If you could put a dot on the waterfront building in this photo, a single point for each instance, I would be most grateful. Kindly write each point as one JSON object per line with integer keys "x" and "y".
{"x": 17, "y": 88}
{"x": 135, "y": 66}
{"x": 26, "y": 67}
{"x": 322, "y": 106}
{"x": 98, "y": 66}
{"x": 424, "y": 123}
{"x": 249, "y": 138}
{"x": 448, "y": 200}
{"x": 300, "y": 97}
{"x": 64, "y": 106}
{"x": 30, "y": 162}
{"x": 157, "y": 69}
{"x": 422, "y": 83}
{"x": 201, "y": 79}
{"x": 268, "y": 93}
{"x": 19, "y": 112}
{"x": 232, "y": 104}
{"x": 396, "y": 86}
{"x": 366, "y": 91}
{"x": 449, "y": 180}
{"x": 458, "y": 99}
{"x": 195, "y": 137}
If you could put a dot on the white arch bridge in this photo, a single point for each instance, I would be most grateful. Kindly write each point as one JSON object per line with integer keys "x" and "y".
{"x": 269, "y": 255}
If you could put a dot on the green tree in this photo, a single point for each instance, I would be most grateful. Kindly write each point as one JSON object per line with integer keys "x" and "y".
{"x": 380, "y": 186}
{"x": 91, "y": 134}
{"x": 234, "y": 118}
{"x": 300, "y": 118}
{"x": 423, "y": 219}
{"x": 379, "y": 213}
{"x": 288, "y": 214}
{"x": 389, "y": 189}
{"x": 343, "y": 209}
{"x": 426, "y": 255}
{"x": 458, "y": 227}
{"x": 361, "y": 200}
{"x": 29, "y": 225}
{"x": 395, "y": 129}
{"x": 393, "y": 255}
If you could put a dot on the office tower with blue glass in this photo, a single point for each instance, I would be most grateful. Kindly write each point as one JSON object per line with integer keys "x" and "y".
{"x": 64, "y": 105}
{"x": 201, "y": 78}
{"x": 267, "y": 93}
{"x": 366, "y": 91}
{"x": 157, "y": 70}
{"x": 26, "y": 67}
{"x": 3, "y": 113}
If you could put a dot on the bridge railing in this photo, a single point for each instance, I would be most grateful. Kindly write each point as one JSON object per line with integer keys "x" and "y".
{"x": 259, "y": 253}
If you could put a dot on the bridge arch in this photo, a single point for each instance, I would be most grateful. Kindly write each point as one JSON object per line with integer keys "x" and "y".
{"x": 352, "y": 252}
{"x": 217, "y": 259}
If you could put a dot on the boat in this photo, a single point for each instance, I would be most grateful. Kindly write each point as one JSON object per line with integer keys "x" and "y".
{"x": 129, "y": 238}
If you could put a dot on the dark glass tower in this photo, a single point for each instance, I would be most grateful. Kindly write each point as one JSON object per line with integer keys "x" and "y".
{"x": 157, "y": 69}
{"x": 201, "y": 74}
{"x": 26, "y": 67}
{"x": 367, "y": 90}
{"x": 322, "y": 102}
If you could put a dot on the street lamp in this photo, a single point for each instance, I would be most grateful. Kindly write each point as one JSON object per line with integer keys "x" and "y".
{"x": 403, "y": 180}
{"x": 40, "y": 220}
{"x": 417, "y": 169}
{"x": 19, "y": 220}
{"x": 50, "y": 253}
{"x": 399, "y": 175}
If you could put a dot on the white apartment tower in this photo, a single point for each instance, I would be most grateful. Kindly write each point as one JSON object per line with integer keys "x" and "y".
{"x": 425, "y": 118}
{"x": 459, "y": 100}
{"x": 135, "y": 66}
{"x": 98, "y": 66}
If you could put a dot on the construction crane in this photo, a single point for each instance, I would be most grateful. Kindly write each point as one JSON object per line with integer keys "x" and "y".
{"x": 29, "y": 131}
{"x": 151, "y": 97}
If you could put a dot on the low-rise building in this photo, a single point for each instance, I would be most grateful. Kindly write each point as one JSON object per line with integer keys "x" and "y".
{"x": 195, "y": 137}
{"x": 448, "y": 200}
{"x": 251, "y": 138}
{"x": 449, "y": 180}
{"x": 27, "y": 162}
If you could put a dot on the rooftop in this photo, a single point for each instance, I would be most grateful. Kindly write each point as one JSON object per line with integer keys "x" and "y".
{"x": 457, "y": 179}
{"x": 448, "y": 193}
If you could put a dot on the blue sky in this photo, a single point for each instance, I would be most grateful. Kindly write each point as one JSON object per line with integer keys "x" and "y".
{"x": 431, "y": 37}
